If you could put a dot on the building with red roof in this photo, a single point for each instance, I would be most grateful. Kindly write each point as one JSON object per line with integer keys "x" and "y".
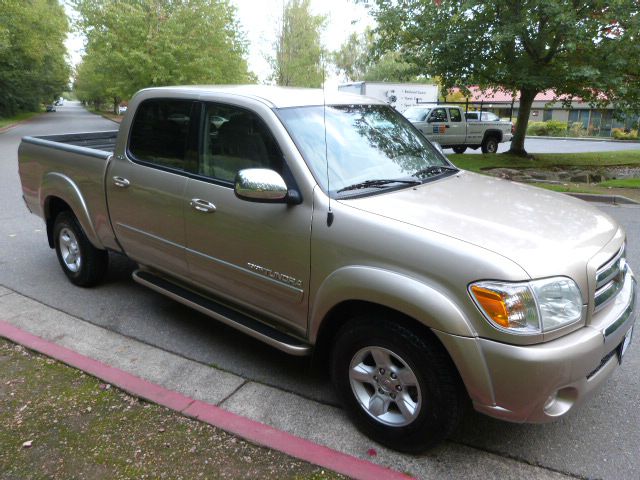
{"x": 548, "y": 106}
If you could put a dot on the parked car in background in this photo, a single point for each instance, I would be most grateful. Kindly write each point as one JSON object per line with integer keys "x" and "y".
{"x": 447, "y": 125}
{"x": 484, "y": 116}
{"x": 122, "y": 109}
{"x": 50, "y": 108}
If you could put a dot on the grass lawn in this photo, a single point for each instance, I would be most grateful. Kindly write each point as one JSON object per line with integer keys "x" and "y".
{"x": 628, "y": 187}
{"x": 5, "y": 122}
{"x": 622, "y": 183}
{"x": 59, "y": 423}
{"x": 477, "y": 163}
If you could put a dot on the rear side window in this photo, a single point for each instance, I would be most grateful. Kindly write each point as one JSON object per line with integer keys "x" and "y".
{"x": 160, "y": 132}
{"x": 454, "y": 114}
{"x": 235, "y": 139}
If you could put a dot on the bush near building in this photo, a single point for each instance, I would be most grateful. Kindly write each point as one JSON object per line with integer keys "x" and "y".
{"x": 620, "y": 134}
{"x": 550, "y": 128}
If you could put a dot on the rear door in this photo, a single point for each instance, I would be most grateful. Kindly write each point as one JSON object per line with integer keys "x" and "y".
{"x": 145, "y": 186}
{"x": 455, "y": 132}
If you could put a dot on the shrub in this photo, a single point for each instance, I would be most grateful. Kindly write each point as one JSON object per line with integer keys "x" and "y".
{"x": 551, "y": 128}
{"x": 577, "y": 130}
{"x": 620, "y": 134}
{"x": 556, "y": 128}
{"x": 537, "y": 128}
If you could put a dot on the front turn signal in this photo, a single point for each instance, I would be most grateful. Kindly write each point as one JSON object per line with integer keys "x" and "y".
{"x": 493, "y": 304}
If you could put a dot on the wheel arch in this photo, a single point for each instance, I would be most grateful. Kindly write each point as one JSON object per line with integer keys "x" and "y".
{"x": 493, "y": 133}
{"x": 59, "y": 193}
{"x": 347, "y": 309}
{"x": 352, "y": 290}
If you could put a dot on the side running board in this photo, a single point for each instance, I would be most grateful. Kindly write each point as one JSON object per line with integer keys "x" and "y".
{"x": 237, "y": 320}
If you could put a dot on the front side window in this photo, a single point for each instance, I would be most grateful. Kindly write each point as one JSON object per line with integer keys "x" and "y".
{"x": 160, "y": 132}
{"x": 363, "y": 143}
{"x": 235, "y": 139}
{"x": 438, "y": 115}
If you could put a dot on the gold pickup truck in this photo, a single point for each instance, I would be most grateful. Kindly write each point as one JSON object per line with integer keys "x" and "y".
{"x": 328, "y": 224}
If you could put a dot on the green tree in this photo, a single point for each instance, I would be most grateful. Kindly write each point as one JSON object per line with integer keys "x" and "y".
{"x": 33, "y": 66}
{"x": 298, "y": 49}
{"x": 143, "y": 43}
{"x": 357, "y": 59}
{"x": 585, "y": 49}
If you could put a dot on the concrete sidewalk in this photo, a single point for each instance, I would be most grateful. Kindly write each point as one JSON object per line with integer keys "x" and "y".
{"x": 315, "y": 422}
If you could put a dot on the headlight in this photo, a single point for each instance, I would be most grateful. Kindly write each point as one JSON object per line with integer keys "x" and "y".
{"x": 529, "y": 307}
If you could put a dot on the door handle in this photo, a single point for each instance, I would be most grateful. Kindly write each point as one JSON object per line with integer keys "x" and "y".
{"x": 121, "y": 182}
{"x": 202, "y": 205}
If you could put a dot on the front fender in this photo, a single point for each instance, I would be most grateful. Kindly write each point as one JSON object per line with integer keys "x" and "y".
{"x": 404, "y": 294}
{"x": 59, "y": 185}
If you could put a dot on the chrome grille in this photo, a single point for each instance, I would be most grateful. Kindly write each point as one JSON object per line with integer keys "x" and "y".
{"x": 610, "y": 279}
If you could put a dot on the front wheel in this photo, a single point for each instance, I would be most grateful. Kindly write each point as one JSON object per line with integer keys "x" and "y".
{"x": 460, "y": 149}
{"x": 82, "y": 263}
{"x": 490, "y": 145}
{"x": 399, "y": 388}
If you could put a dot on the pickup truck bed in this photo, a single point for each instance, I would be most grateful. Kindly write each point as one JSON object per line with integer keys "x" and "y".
{"x": 81, "y": 156}
{"x": 96, "y": 144}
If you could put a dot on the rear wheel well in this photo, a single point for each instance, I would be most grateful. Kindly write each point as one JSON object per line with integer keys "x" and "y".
{"x": 53, "y": 206}
{"x": 497, "y": 134}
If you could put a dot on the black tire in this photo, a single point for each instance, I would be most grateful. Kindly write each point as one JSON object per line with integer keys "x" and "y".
{"x": 490, "y": 145}
{"x": 71, "y": 244}
{"x": 437, "y": 400}
{"x": 460, "y": 149}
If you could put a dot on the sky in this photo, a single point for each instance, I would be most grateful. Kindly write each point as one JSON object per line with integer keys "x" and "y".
{"x": 260, "y": 20}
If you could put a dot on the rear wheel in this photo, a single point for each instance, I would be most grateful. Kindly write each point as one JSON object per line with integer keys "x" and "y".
{"x": 81, "y": 262}
{"x": 490, "y": 145}
{"x": 460, "y": 149}
{"x": 399, "y": 388}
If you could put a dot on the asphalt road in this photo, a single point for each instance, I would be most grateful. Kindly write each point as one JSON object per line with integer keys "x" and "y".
{"x": 548, "y": 145}
{"x": 600, "y": 440}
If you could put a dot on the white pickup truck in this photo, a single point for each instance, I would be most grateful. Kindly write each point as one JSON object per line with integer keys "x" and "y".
{"x": 452, "y": 128}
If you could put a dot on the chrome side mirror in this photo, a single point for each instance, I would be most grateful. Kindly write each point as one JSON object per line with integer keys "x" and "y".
{"x": 261, "y": 185}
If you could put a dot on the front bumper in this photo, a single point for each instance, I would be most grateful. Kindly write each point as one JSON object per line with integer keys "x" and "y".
{"x": 540, "y": 383}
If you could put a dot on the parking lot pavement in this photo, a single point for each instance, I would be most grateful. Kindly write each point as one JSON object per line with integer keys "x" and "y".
{"x": 552, "y": 145}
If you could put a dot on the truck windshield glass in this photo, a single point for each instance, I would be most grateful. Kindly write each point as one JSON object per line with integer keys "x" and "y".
{"x": 364, "y": 143}
{"x": 416, "y": 114}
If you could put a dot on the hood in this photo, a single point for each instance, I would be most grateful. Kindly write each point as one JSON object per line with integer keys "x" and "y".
{"x": 540, "y": 230}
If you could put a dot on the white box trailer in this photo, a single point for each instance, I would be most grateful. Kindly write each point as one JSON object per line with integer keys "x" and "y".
{"x": 398, "y": 95}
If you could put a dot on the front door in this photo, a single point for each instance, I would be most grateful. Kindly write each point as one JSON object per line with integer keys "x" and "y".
{"x": 437, "y": 125}
{"x": 255, "y": 254}
{"x": 145, "y": 187}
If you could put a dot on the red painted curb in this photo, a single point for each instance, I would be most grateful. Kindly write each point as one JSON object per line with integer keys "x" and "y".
{"x": 251, "y": 430}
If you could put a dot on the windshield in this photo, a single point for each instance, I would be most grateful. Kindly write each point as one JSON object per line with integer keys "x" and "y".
{"x": 416, "y": 114}
{"x": 364, "y": 143}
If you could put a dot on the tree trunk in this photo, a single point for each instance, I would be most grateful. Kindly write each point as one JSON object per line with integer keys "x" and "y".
{"x": 517, "y": 143}
{"x": 116, "y": 102}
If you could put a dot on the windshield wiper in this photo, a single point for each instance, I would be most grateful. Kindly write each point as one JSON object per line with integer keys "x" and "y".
{"x": 379, "y": 183}
{"x": 434, "y": 170}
